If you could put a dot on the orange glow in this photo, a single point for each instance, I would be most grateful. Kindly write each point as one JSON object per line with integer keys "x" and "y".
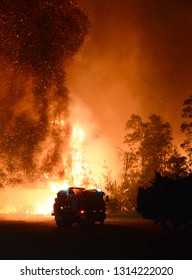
{"x": 74, "y": 179}
{"x": 38, "y": 198}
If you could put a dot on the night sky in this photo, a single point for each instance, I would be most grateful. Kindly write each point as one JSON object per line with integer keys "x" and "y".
{"x": 137, "y": 59}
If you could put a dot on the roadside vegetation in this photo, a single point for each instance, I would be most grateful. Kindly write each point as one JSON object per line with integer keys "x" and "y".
{"x": 151, "y": 163}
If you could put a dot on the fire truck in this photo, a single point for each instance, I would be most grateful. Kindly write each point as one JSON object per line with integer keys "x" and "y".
{"x": 80, "y": 206}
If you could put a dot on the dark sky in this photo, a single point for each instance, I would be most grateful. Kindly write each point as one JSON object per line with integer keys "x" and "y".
{"x": 137, "y": 59}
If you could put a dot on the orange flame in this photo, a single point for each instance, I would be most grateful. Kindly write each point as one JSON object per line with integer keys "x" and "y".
{"x": 76, "y": 149}
{"x": 42, "y": 202}
{"x": 83, "y": 170}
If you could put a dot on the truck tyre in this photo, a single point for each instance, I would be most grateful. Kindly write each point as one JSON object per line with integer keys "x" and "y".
{"x": 60, "y": 222}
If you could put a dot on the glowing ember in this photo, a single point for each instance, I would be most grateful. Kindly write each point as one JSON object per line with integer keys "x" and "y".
{"x": 75, "y": 174}
{"x": 41, "y": 200}
{"x": 78, "y": 162}
{"x": 37, "y": 41}
{"x": 7, "y": 209}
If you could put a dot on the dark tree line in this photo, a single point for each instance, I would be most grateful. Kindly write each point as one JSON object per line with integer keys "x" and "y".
{"x": 150, "y": 150}
{"x": 186, "y": 128}
{"x": 167, "y": 201}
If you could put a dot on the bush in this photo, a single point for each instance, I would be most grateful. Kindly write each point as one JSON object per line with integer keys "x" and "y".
{"x": 167, "y": 202}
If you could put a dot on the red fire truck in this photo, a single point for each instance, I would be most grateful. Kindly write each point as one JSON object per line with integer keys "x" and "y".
{"x": 80, "y": 206}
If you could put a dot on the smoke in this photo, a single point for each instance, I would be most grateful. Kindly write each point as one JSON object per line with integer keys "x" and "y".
{"x": 137, "y": 60}
{"x": 99, "y": 151}
{"x": 38, "y": 39}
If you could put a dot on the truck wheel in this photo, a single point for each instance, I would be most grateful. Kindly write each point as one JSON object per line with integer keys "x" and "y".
{"x": 67, "y": 224}
{"x": 60, "y": 224}
{"x": 91, "y": 222}
{"x": 87, "y": 222}
{"x": 60, "y": 221}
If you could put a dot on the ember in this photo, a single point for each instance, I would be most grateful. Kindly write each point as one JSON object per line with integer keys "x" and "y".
{"x": 37, "y": 41}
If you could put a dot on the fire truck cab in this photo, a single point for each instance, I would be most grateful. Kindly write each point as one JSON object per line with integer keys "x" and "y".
{"x": 80, "y": 206}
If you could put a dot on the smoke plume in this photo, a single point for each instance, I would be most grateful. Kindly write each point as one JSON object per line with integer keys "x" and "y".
{"x": 38, "y": 39}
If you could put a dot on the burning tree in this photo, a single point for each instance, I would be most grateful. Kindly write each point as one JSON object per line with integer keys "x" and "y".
{"x": 37, "y": 41}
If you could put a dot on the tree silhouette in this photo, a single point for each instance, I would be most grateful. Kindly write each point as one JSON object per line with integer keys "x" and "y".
{"x": 167, "y": 202}
{"x": 177, "y": 165}
{"x": 186, "y": 128}
{"x": 150, "y": 144}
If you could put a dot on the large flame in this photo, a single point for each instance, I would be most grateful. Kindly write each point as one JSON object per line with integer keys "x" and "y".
{"x": 84, "y": 160}
{"x": 40, "y": 200}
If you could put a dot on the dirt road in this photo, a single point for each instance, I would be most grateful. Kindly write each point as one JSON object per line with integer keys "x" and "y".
{"x": 117, "y": 239}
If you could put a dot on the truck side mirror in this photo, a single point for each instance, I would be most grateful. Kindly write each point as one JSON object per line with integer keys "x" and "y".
{"x": 107, "y": 198}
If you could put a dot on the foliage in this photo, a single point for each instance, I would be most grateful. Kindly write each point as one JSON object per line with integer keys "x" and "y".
{"x": 150, "y": 151}
{"x": 167, "y": 201}
{"x": 177, "y": 165}
{"x": 149, "y": 144}
{"x": 186, "y": 128}
{"x": 111, "y": 189}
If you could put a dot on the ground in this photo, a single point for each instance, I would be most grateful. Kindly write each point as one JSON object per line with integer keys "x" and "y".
{"x": 117, "y": 239}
